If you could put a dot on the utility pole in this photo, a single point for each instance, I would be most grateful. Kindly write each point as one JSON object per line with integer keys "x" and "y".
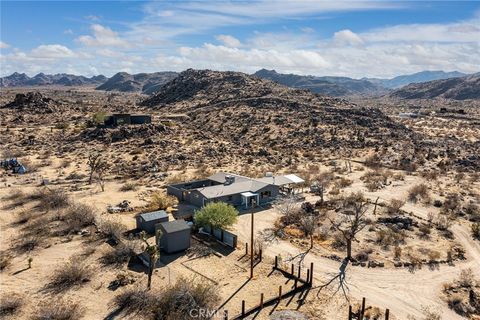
{"x": 251, "y": 247}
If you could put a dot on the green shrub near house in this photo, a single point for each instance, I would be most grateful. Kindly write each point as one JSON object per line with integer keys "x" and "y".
{"x": 217, "y": 215}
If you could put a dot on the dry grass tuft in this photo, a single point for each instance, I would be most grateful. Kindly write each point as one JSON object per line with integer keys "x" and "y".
{"x": 10, "y": 304}
{"x": 58, "y": 310}
{"x": 72, "y": 274}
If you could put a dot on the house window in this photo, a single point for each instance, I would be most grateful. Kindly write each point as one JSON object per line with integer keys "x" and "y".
{"x": 265, "y": 194}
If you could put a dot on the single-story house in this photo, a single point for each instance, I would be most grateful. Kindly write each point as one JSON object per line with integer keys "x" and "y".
{"x": 234, "y": 189}
{"x": 119, "y": 119}
{"x": 147, "y": 221}
{"x": 175, "y": 236}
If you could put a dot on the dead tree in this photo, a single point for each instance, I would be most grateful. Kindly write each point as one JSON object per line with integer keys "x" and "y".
{"x": 323, "y": 180}
{"x": 101, "y": 170}
{"x": 288, "y": 207}
{"x": 353, "y": 220}
{"x": 94, "y": 159}
{"x": 309, "y": 226}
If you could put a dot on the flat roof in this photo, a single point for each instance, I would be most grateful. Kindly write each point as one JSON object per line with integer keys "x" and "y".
{"x": 174, "y": 226}
{"x": 220, "y": 177}
{"x": 282, "y": 180}
{"x": 230, "y": 189}
{"x": 154, "y": 215}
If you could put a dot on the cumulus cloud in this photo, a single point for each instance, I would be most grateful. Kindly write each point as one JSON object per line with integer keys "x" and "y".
{"x": 229, "y": 41}
{"x": 347, "y": 37}
{"x": 52, "y": 51}
{"x": 4, "y": 45}
{"x": 102, "y": 36}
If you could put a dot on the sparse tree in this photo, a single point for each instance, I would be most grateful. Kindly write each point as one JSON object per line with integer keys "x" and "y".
{"x": 101, "y": 171}
{"x": 353, "y": 220}
{"x": 324, "y": 180}
{"x": 309, "y": 226}
{"x": 94, "y": 160}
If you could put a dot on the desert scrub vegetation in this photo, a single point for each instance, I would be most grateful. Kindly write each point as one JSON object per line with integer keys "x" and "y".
{"x": 50, "y": 199}
{"x": 10, "y": 304}
{"x": 376, "y": 179}
{"x": 111, "y": 229}
{"x": 55, "y": 309}
{"x": 463, "y": 294}
{"x": 72, "y": 274}
{"x": 129, "y": 186}
{"x": 78, "y": 216}
{"x": 5, "y": 260}
{"x": 161, "y": 201}
{"x": 394, "y": 206}
{"x": 121, "y": 254}
{"x": 476, "y": 230}
{"x": 169, "y": 303}
{"x": 419, "y": 192}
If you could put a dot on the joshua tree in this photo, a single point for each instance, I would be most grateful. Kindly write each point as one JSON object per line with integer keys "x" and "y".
{"x": 94, "y": 159}
{"x": 153, "y": 253}
{"x": 353, "y": 220}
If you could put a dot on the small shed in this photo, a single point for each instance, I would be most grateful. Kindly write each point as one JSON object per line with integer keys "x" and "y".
{"x": 147, "y": 221}
{"x": 175, "y": 236}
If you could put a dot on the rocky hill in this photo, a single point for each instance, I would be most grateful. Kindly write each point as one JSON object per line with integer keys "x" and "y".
{"x": 33, "y": 102}
{"x": 419, "y": 77}
{"x": 454, "y": 88}
{"x": 147, "y": 83}
{"x": 61, "y": 79}
{"x": 332, "y": 86}
{"x": 235, "y": 114}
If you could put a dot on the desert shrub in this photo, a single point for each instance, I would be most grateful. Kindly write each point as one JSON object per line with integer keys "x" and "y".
{"x": 397, "y": 253}
{"x": 466, "y": 278}
{"x": 136, "y": 301}
{"x": 217, "y": 215}
{"x": 451, "y": 205}
{"x": 161, "y": 201}
{"x": 363, "y": 255}
{"x": 433, "y": 255}
{"x": 5, "y": 260}
{"x": 24, "y": 217}
{"x": 111, "y": 229}
{"x": 415, "y": 261}
{"x": 75, "y": 176}
{"x": 373, "y": 161}
{"x": 73, "y": 273}
{"x": 61, "y": 125}
{"x": 476, "y": 230}
{"x": 387, "y": 237}
{"x": 120, "y": 255}
{"x": 375, "y": 179}
{"x": 10, "y": 304}
{"x": 343, "y": 183}
{"x": 398, "y": 176}
{"x": 78, "y": 216}
{"x": 52, "y": 199}
{"x": 99, "y": 117}
{"x": 55, "y": 309}
{"x": 395, "y": 205}
{"x": 443, "y": 223}
{"x": 424, "y": 231}
{"x": 28, "y": 243}
{"x": 457, "y": 303}
{"x": 417, "y": 192}
{"x": 338, "y": 241}
{"x": 473, "y": 211}
{"x": 129, "y": 186}
{"x": 177, "y": 301}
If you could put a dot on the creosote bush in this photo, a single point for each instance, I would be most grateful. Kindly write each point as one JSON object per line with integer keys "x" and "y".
{"x": 419, "y": 192}
{"x": 10, "y": 304}
{"x": 78, "y": 216}
{"x": 161, "y": 201}
{"x": 55, "y": 309}
{"x": 129, "y": 186}
{"x": 52, "y": 199}
{"x": 73, "y": 273}
{"x": 170, "y": 303}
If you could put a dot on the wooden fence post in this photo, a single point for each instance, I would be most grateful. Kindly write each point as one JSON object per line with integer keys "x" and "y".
{"x": 225, "y": 315}
{"x": 260, "y": 253}
{"x": 293, "y": 270}
{"x": 295, "y": 283}
{"x": 362, "y": 311}
{"x": 299, "y": 270}
{"x": 311, "y": 274}
{"x": 276, "y": 262}
{"x": 279, "y": 293}
{"x": 387, "y": 314}
{"x": 246, "y": 248}
{"x": 261, "y": 301}
{"x": 243, "y": 308}
{"x": 349, "y": 312}
{"x": 308, "y": 275}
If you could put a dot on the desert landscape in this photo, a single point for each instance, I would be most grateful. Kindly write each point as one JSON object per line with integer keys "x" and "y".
{"x": 280, "y": 175}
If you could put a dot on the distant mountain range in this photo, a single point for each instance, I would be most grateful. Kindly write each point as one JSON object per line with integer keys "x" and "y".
{"x": 62, "y": 79}
{"x": 331, "y": 86}
{"x": 147, "y": 83}
{"x": 418, "y": 77}
{"x": 460, "y": 88}
{"x": 453, "y": 85}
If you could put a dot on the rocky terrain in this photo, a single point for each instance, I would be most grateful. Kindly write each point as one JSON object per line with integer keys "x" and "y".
{"x": 331, "y": 86}
{"x": 460, "y": 88}
{"x": 147, "y": 83}
{"x": 33, "y": 102}
{"x": 62, "y": 79}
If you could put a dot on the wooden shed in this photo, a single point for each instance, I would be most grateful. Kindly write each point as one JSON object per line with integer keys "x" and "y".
{"x": 147, "y": 221}
{"x": 175, "y": 236}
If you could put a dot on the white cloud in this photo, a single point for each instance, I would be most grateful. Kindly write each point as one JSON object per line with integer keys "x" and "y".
{"x": 52, "y": 51}
{"x": 229, "y": 41}
{"x": 68, "y": 31}
{"x": 102, "y": 37}
{"x": 4, "y": 45}
{"x": 347, "y": 37}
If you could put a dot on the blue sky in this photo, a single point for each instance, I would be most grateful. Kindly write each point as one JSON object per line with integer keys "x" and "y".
{"x": 356, "y": 39}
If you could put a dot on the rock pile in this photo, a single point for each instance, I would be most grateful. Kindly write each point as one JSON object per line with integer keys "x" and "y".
{"x": 33, "y": 102}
